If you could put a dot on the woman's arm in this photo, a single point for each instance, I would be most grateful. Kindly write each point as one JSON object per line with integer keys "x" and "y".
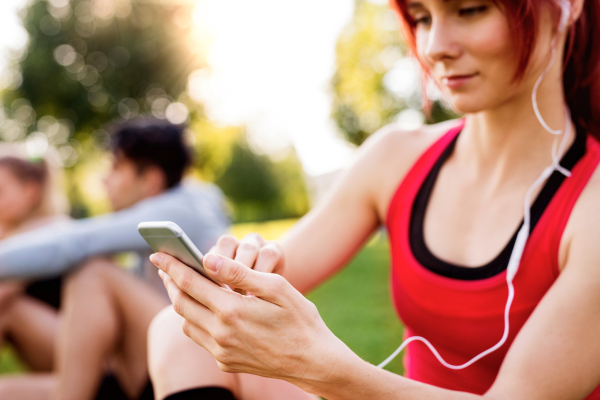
{"x": 330, "y": 234}
{"x": 278, "y": 333}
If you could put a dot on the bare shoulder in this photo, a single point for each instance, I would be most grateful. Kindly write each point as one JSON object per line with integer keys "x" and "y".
{"x": 386, "y": 157}
{"x": 392, "y": 140}
{"x": 580, "y": 239}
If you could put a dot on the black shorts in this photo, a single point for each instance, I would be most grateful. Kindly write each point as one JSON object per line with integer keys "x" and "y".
{"x": 46, "y": 290}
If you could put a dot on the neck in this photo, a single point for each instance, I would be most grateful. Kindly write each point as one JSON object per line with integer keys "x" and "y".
{"x": 504, "y": 141}
{"x": 509, "y": 140}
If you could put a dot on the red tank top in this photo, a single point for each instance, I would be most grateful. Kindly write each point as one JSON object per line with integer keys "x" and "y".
{"x": 462, "y": 318}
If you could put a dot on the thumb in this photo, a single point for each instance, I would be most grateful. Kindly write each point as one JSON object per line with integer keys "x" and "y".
{"x": 236, "y": 275}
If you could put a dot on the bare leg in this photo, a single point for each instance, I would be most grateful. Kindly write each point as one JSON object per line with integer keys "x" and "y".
{"x": 31, "y": 326}
{"x": 177, "y": 363}
{"x": 27, "y": 387}
{"x": 106, "y": 312}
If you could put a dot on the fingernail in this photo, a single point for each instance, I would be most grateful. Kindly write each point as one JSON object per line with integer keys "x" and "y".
{"x": 213, "y": 262}
{"x": 161, "y": 274}
{"x": 155, "y": 258}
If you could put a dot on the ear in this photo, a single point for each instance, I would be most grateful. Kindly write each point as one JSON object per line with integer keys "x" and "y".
{"x": 576, "y": 10}
{"x": 154, "y": 180}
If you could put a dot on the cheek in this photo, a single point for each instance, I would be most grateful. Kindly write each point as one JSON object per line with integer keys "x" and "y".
{"x": 12, "y": 205}
{"x": 493, "y": 48}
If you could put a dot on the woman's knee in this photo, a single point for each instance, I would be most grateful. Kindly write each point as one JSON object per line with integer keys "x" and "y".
{"x": 176, "y": 362}
{"x": 92, "y": 272}
{"x": 163, "y": 338}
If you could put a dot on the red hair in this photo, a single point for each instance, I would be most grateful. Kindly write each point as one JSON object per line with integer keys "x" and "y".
{"x": 581, "y": 63}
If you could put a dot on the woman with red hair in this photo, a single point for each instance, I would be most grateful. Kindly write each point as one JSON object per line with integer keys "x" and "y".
{"x": 493, "y": 222}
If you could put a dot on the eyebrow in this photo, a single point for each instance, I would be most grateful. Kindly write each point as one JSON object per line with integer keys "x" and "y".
{"x": 416, "y": 4}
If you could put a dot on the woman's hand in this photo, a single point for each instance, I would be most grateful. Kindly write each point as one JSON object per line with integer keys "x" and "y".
{"x": 253, "y": 251}
{"x": 276, "y": 333}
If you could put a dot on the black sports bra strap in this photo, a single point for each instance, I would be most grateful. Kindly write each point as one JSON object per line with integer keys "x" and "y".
{"x": 417, "y": 239}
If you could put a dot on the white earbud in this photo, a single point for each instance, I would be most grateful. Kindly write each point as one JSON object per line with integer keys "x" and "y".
{"x": 565, "y": 14}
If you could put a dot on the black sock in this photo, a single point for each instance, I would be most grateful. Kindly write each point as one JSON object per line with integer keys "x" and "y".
{"x": 203, "y": 393}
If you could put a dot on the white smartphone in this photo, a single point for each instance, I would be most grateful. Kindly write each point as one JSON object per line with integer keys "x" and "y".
{"x": 168, "y": 237}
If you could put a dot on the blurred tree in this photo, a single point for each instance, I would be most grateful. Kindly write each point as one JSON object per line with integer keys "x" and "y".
{"x": 93, "y": 61}
{"x": 374, "y": 79}
{"x": 261, "y": 189}
{"x": 257, "y": 187}
{"x": 89, "y": 61}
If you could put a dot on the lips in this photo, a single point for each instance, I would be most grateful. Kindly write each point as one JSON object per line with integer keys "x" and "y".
{"x": 456, "y": 81}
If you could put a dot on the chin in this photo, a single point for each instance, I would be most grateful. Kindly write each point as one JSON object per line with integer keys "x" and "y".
{"x": 114, "y": 205}
{"x": 467, "y": 104}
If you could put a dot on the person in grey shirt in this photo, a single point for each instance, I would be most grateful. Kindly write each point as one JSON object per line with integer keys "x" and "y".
{"x": 107, "y": 309}
{"x": 54, "y": 250}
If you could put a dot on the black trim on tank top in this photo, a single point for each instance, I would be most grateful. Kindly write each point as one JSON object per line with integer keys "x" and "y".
{"x": 417, "y": 239}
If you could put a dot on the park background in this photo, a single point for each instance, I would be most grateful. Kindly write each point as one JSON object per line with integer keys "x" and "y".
{"x": 276, "y": 95}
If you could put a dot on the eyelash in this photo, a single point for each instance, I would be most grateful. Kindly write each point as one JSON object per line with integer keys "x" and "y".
{"x": 463, "y": 12}
{"x": 470, "y": 11}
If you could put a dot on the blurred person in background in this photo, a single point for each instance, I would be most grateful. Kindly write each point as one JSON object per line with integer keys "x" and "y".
{"x": 465, "y": 202}
{"x": 105, "y": 310}
{"x": 30, "y": 197}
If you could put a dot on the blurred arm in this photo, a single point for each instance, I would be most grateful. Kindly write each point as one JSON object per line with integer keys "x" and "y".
{"x": 53, "y": 250}
{"x": 327, "y": 237}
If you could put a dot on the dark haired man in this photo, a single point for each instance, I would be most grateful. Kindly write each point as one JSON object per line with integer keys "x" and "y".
{"x": 106, "y": 311}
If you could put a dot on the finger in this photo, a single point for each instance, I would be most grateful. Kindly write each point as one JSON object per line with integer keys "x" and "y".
{"x": 186, "y": 306}
{"x": 271, "y": 287}
{"x": 226, "y": 246}
{"x": 270, "y": 258}
{"x": 247, "y": 250}
{"x": 199, "y": 335}
{"x": 191, "y": 282}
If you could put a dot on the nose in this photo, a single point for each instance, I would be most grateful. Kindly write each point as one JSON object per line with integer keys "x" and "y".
{"x": 441, "y": 43}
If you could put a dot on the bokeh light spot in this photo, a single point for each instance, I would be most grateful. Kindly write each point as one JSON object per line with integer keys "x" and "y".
{"x": 159, "y": 106}
{"x": 98, "y": 96}
{"x": 36, "y": 144}
{"x": 65, "y": 55}
{"x": 49, "y": 25}
{"x": 128, "y": 108}
{"x": 177, "y": 113}
{"x": 12, "y": 130}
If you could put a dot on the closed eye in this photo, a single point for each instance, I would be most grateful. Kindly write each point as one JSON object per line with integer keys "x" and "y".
{"x": 472, "y": 11}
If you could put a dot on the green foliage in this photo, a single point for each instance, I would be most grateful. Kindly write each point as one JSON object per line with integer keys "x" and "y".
{"x": 89, "y": 62}
{"x": 368, "y": 48}
{"x": 356, "y": 305}
{"x": 261, "y": 189}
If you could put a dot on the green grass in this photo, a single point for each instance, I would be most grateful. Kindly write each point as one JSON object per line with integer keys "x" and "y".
{"x": 355, "y": 304}
{"x": 9, "y": 361}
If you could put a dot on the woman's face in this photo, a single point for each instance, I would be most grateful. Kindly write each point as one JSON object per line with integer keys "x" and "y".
{"x": 467, "y": 47}
{"x": 17, "y": 199}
